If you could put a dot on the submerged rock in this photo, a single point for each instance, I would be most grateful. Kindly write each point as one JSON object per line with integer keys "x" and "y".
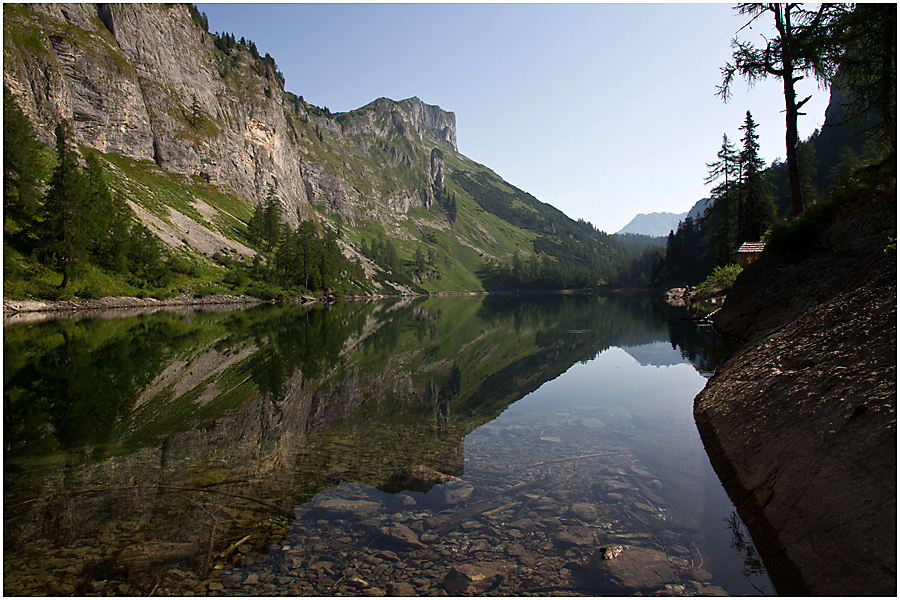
{"x": 455, "y": 495}
{"x": 417, "y": 478}
{"x": 401, "y": 588}
{"x": 402, "y": 535}
{"x": 339, "y": 507}
{"x": 628, "y": 569}
{"x": 575, "y": 535}
{"x": 584, "y": 511}
{"x": 473, "y": 579}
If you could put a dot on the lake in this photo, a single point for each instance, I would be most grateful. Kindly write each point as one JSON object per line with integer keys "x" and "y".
{"x": 498, "y": 445}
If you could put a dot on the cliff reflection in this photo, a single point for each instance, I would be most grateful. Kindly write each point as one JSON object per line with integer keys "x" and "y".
{"x": 138, "y": 443}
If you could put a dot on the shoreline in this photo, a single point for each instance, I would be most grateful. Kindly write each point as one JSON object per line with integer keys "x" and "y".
{"x": 44, "y": 309}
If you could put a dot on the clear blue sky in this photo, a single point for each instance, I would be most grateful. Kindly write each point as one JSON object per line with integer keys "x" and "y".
{"x": 602, "y": 110}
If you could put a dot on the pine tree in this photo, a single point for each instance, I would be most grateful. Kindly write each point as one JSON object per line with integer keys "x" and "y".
{"x": 108, "y": 216}
{"x": 286, "y": 257}
{"x": 66, "y": 222}
{"x": 23, "y": 167}
{"x": 720, "y": 219}
{"x": 795, "y": 52}
{"x": 265, "y": 224}
{"x": 271, "y": 219}
{"x": 331, "y": 260}
{"x": 862, "y": 48}
{"x": 255, "y": 226}
{"x": 758, "y": 208}
{"x": 144, "y": 255}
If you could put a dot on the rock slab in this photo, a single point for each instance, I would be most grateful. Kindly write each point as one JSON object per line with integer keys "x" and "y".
{"x": 800, "y": 424}
{"x": 628, "y": 570}
{"x": 472, "y": 579}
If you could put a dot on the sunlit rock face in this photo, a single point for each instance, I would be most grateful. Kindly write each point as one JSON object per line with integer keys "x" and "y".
{"x": 145, "y": 81}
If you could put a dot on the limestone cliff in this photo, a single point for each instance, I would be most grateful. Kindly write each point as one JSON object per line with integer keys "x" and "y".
{"x": 146, "y": 81}
{"x": 196, "y": 129}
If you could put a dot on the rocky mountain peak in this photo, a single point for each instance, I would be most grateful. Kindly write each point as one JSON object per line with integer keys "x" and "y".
{"x": 441, "y": 123}
{"x": 148, "y": 82}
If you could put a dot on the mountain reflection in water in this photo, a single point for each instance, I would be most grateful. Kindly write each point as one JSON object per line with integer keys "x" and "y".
{"x": 247, "y": 451}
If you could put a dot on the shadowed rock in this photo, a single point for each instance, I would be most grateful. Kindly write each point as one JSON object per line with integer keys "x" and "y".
{"x": 414, "y": 479}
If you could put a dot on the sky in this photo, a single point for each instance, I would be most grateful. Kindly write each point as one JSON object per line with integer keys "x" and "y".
{"x": 601, "y": 110}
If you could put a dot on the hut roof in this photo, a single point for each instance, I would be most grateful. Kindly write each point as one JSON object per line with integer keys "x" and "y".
{"x": 750, "y": 248}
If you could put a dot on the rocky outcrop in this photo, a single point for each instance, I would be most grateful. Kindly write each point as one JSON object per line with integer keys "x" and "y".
{"x": 800, "y": 424}
{"x": 146, "y": 81}
{"x": 410, "y": 118}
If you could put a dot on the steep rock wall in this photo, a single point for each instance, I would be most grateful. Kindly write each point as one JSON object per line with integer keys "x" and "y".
{"x": 145, "y": 81}
{"x": 800, "y": 424}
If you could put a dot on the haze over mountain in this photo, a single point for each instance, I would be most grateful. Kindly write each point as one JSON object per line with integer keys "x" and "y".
{"x": 655, "y": 224}
{"x": 660, "y": 224}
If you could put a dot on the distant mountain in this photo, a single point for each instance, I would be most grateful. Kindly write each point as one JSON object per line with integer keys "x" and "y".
{"x": 659, "y": 224}
{"x": 655, "y": 224}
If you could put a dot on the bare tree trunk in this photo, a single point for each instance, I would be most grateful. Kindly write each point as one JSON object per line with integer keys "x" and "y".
{"x": 783, "y": 24}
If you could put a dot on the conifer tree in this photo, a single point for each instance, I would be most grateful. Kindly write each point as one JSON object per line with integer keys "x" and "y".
{"x": 331, "y": 259}
{"x": 795, "y": 52}
{"x": 757, "y": 209}
{"x": 265, "y": 224}
{"x": 721, "y": 217}
{"x": 23, "y": 168}
{"x": 108, "y": 216}
{"x": 66, "y": 222}
{"x": 271, "y": 218}
{"x": 862, "y": 48}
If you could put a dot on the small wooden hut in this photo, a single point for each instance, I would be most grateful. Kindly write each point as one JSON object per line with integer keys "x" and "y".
{"x": 748, "y": 252}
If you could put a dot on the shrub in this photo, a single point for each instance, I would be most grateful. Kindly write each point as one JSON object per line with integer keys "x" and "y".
{"x": 794, "y": 240}
{"x": 89, "y": 292}
{"x": 724, "y": 277}
{"x": 236, "y": 278}
{"x": 180, "y": 265}
{"x": 720, "y": 280}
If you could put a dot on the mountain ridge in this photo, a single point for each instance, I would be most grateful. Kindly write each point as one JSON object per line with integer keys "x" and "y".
{"x": 655, "y": 224}
{"x": 168, "y": 103}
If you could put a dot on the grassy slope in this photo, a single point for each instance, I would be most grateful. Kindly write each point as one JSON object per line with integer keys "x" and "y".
{"x": 458, "y": 249}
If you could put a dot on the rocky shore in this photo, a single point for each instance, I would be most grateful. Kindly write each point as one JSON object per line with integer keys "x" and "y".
{"x": 34, "y": 310}
{"x": 800, "y": 424}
